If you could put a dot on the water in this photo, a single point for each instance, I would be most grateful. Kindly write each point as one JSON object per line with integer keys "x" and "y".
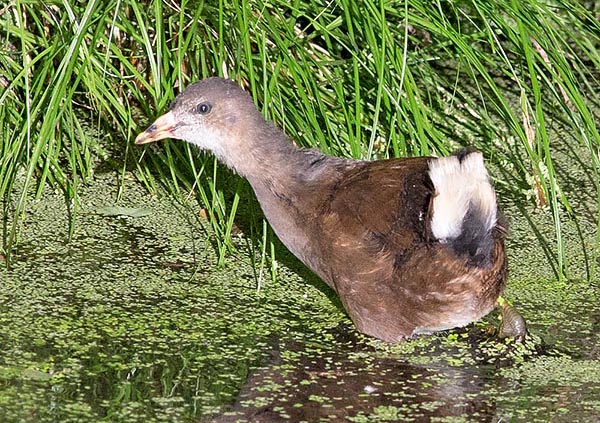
{"x": 131, "y": 322}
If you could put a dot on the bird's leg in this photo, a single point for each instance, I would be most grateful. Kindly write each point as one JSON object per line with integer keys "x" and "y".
{"x": 512, "y": 325}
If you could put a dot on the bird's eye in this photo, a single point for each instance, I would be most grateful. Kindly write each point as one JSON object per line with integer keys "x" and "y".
{"x": 203, "y": 108}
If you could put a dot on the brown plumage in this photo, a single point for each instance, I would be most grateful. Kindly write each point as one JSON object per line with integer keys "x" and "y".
{"x": 411, "y": 245}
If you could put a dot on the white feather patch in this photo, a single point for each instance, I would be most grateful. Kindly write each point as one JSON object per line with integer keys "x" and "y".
{"x": 457, "y": 186}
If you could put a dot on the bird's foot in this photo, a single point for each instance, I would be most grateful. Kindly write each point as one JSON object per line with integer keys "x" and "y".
{"x": 512, "y": 325}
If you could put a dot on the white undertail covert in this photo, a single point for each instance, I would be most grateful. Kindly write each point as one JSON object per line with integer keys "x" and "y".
{"x": 459, "y": 186}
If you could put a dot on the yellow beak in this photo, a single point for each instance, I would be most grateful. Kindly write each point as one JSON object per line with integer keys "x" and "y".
{"x": 160, "y": 129}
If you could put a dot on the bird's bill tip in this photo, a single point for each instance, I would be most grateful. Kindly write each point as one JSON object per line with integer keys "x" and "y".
{"x": 161, "y": 128}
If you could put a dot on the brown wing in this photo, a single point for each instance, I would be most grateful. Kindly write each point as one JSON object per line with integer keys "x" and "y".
{"x": 391, "y": 277}
{"x": 376, "y": 214}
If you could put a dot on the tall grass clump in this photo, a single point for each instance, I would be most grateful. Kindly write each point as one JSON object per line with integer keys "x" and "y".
{"x": 356, "y": 79}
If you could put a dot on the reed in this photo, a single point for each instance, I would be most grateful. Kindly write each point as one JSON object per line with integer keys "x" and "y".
{"x": 359, "y": 79}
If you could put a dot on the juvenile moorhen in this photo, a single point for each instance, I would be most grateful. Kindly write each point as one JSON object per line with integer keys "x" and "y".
{"x": 411, "y": 245}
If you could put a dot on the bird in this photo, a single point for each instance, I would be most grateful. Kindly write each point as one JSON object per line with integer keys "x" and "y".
{"x": 411, "y": 245}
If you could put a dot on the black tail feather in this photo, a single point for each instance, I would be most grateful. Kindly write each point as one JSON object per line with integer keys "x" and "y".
{"x": 475, "y": 240}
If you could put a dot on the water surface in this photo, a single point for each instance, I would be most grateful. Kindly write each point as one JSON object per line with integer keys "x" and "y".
{"x": 132, "y": 322}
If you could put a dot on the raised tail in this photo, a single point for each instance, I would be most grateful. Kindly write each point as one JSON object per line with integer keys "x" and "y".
{"x": 464, "y": 210}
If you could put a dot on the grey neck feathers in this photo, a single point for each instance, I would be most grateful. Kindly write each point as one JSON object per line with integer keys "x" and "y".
{"x": 271, "y": 159}
{"x": 287, "y": 181}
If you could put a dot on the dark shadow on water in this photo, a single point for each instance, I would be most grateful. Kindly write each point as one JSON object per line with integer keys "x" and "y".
{"x": 354, "y": 381}
{"x": 134, "y": 323}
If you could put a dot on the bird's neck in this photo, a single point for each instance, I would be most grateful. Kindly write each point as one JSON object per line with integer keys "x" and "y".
{"x": 267, "y": 156}
{"x": 287, "y": 181}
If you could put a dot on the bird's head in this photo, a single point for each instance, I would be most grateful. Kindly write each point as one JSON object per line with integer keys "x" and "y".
{"x": 214, "y": 114}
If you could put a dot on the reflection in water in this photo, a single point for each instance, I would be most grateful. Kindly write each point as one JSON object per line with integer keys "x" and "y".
{"x": 130, "y": 322}
{"x": 350, "y": 384}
